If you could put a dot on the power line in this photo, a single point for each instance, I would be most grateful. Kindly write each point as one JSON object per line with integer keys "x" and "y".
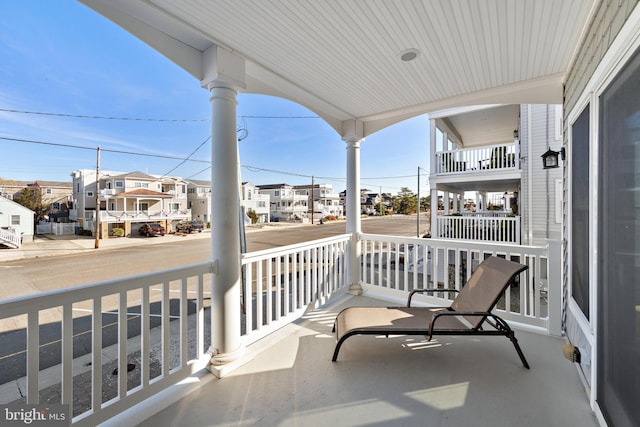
{"x": 80, "y": 147}
{"x": 81, "y": 116}
{"x": 142, "y": 119}
{"x": 187, "y": 158}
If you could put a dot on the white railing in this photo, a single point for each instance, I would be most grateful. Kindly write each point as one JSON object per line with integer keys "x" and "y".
{"x": 154, "y": 321}
{"x": 10, "y": 237}
{"x": 284, "y": 282}
{"x": 473, "y": 160}
{"x": 499, "y": 229}
{"x": 157, "y": 322}
{"x": 394, "y": 266}
{"x": 151, "y": 215}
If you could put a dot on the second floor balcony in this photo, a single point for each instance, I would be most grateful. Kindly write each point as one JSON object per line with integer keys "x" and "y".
{"x": 485, "y": 159}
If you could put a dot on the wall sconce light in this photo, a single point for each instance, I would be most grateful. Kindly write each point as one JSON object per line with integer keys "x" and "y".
{"x": 550, "y": 158}
{"x": 515, "y": 134}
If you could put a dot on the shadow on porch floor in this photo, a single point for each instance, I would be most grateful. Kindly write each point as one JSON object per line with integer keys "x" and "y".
{"x": 454, "y": 381}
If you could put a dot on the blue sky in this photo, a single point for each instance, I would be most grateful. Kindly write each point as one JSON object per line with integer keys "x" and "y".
{"x": 60, "y": 57}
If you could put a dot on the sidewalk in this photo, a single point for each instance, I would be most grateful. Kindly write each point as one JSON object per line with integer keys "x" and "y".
{"x": 54, "y": 245}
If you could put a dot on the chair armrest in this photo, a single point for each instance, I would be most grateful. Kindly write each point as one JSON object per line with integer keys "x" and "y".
{"x": 416, "y": 291}
{"x": 439, "y": 314}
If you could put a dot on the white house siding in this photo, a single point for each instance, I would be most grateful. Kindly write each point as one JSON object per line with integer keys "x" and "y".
{"x": 9, "y": 209}
{"x": 544, "y": 223}
{"x": 608, "y": 20}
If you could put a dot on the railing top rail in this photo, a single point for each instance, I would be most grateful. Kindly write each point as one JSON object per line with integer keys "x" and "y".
{"x": 284, "y": 250}
{"x": 483, "y": 147}
{"x": 462, "y": 245}
{"x": 55, "y": 298}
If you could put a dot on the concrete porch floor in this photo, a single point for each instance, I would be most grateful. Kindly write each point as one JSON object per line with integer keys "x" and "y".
{"x": 397, "y": 381}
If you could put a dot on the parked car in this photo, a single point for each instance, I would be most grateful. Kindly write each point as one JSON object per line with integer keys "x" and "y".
{"x": 189, "y": 226}
{"x": 153, "y": 229}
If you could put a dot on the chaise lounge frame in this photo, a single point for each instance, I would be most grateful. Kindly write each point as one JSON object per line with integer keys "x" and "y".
{"x": 466, "y": 315}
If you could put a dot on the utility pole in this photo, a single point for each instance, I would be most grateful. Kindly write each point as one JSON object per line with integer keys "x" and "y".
{"x": 312, "y": 197}
{"x": 418, "y": 216}
{"x": 97, "y": 221}
{"x": 381, "y": 212}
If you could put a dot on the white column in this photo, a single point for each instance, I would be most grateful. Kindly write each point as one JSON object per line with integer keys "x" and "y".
{"x": 354, "y": 226}
{"x": 435, "y": 232}
{"x": 225, "y": 247}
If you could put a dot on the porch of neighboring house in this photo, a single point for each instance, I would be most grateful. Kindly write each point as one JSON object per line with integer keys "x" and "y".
{"x": 496, "y": 170}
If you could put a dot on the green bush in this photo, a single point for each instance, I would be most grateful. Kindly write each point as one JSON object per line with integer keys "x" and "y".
{"x": 85, "y": 233}
{"x": 117, "y": 232}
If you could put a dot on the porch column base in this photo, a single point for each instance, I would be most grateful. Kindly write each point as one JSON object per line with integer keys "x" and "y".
{"x": 356, "y": 289}
{"x": 222, "y": 364}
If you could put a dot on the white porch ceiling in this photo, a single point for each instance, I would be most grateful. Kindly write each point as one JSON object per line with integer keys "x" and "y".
{"x": 341, "y": 58}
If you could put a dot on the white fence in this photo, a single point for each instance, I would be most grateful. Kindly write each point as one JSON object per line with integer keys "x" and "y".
{"x": 57, "y": 228}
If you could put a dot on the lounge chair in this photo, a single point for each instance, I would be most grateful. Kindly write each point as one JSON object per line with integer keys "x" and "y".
{"x": 465, "y": 316}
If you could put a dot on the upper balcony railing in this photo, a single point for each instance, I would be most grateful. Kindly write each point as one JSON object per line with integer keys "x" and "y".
{"x": 484, "y": 228}
{"x": 481, "y": 159}
{"x": 150, "y": 215}
{"x": 158, "y": 321}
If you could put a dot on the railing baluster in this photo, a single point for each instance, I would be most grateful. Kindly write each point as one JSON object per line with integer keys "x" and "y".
{"x": 96, "y": 362}
{"x": 122, "y": 344}
{"x": 166, "y": 329}
{"x": 184, "y": 325}
{"x": 278, "y": 287}
{"x": 144, "y": 337}
{"x": 259, "y": 295}
{"x": 248, "y": 298}
{"x": 67, "y": 354}
{"x": 269, "y": 291}
{"x": 200, "y": 313}
{"x": 33, "y": 357}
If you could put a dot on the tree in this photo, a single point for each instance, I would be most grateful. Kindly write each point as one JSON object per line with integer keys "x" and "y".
{"x": 31, "y": 198}
{"x": 406, "y": 202}
{"x": 253, "y": 215}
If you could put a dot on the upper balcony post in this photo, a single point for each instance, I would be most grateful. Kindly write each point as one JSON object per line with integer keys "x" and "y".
{"x": 224, "y": 75}
{"x": 353, "y": 137}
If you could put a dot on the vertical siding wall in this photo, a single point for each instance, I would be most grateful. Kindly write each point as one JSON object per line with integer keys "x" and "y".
{"x": 539, "y": 219}
{"x": 608, "y": 20}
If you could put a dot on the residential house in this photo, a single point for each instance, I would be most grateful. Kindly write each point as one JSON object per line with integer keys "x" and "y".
{"x": 128, "y": 200}
{"x": 253, "y": 200}
{"x": 492, "y": 153}
{"x": 56, "y": 196}
{"x": 324, "y": 201}
{"x": 199, "y": 199}
{"x": 286, "y": 204}
{"x": 16, "y": 223}
{"x": 428, "y": 56}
